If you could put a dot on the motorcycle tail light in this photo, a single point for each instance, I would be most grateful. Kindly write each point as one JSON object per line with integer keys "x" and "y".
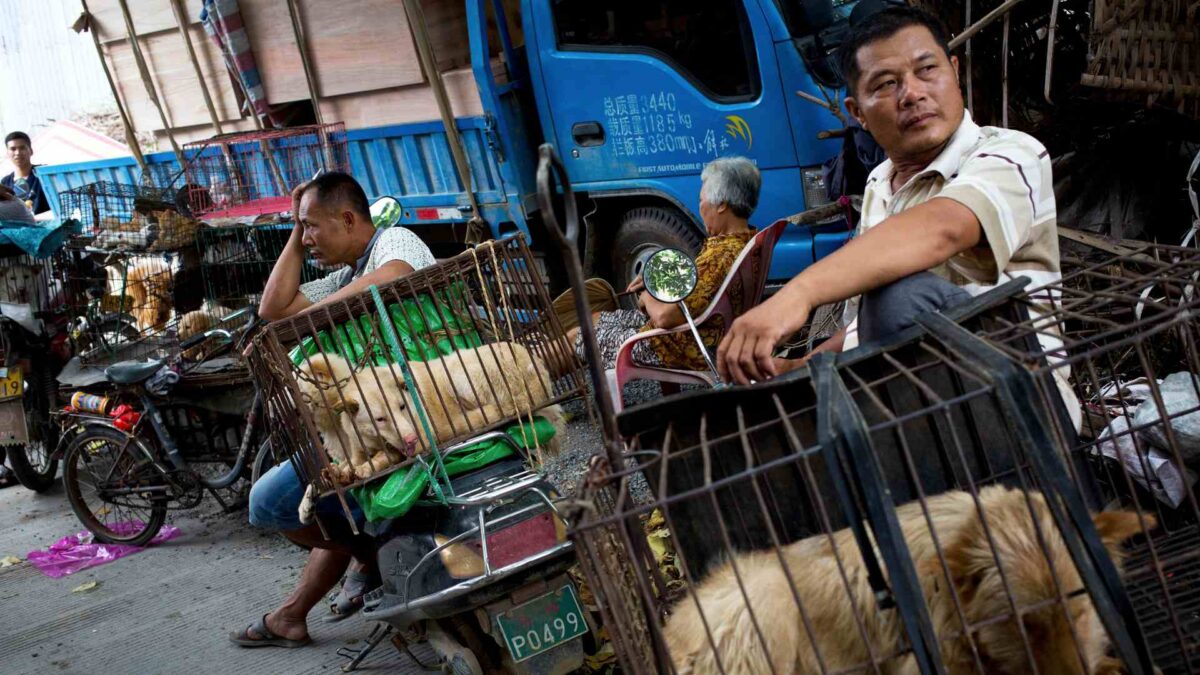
{"x": 506, "y": 546}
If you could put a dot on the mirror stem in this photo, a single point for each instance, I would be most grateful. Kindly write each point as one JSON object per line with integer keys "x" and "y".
{"x": 696, "y": 334}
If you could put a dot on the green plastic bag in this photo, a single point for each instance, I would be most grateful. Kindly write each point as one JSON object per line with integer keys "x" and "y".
{"x": 446, "y": 321}
{"x": 394, "y": 496}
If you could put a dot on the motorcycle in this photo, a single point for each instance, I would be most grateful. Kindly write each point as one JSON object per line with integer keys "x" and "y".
{"x": 33, "y": 349}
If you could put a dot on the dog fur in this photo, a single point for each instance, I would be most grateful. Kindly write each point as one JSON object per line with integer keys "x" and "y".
{"x": 367, "y": 417}
{"x": 149, "y": 284}
{"x": 812, "y": 567}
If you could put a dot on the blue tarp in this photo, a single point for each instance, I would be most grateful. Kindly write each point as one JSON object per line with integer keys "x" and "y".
{"x": 39, "y": 241}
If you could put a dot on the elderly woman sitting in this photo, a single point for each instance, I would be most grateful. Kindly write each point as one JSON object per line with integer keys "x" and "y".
{"x": 728, "y": 194}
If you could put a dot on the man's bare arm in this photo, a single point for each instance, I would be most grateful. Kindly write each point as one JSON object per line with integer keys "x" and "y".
{"x": 912, "y": 241}
{"x": 281, "y": 296}
{"x": 389, "y": 271}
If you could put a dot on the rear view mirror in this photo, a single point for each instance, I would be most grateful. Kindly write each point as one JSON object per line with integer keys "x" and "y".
{"x": 386, "y": 212}
{"x": 670, "y": 275}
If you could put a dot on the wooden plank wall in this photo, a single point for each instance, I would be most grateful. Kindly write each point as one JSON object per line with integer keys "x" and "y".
{"x": 366, "y": 65}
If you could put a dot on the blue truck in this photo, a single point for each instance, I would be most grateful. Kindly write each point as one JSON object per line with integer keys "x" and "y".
{"x": 637, "y": 95}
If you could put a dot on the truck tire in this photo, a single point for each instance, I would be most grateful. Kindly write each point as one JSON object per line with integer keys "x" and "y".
{"x": 643, "y": 231}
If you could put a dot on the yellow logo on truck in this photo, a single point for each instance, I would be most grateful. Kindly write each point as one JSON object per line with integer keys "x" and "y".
{"x": 738, "y": 127}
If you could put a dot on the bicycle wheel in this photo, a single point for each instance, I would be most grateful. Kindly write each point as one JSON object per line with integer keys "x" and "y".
{"x": 103, "y": 472}
{"x": 264, "y": 461}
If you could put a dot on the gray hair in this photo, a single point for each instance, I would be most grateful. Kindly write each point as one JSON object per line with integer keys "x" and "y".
{"x": 733, "y": 181}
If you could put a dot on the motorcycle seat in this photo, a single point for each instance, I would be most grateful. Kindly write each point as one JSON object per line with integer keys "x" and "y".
{"x": 132, "y": 372}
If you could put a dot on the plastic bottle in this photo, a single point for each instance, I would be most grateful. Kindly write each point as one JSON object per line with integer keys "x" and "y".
{"x": 86, "y": 402}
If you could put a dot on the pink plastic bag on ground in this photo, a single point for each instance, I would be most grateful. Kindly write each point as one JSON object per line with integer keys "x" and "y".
{"x": 81, "y": 551}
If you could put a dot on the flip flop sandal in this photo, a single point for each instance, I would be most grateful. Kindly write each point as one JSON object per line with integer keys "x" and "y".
{"x": 266, "y": 637}
{"x": 350, "y": 599}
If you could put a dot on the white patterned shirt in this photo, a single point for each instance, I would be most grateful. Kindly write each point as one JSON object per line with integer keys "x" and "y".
{"x": 394, "y": 243}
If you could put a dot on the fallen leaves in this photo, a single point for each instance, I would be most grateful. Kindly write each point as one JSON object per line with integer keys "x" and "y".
{"x": 85, "y": 587}
{"x": 9, "y": 561}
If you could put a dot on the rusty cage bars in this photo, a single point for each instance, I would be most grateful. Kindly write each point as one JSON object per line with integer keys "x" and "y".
{"x": 338, "y": 378}
{"x": 253, "y": 172}
{"x": 1125, "y": 331}
{"x": 937, "y": 417}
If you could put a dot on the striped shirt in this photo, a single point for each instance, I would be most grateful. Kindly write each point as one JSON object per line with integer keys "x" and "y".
{"x": 1004, "y": 178}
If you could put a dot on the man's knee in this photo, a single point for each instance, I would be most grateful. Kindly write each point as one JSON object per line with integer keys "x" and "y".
{"x": 890, "y": 309}
{"x": 275, "y": 499}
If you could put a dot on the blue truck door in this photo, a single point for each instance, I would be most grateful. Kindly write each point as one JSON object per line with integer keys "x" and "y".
{"x": 647, "y": 92}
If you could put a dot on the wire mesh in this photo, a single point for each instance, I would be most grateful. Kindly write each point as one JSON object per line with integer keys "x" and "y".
{"x": 1122, "y": 333}
{"x": 128, "y": 305}
{"x": 120, "y": 216}
{"x": 254, "y": 172}
{"x": 460, "y": 348}
{"x": 235, "y": 261}
{"x": 26, "y": 283}
{"x": 766, "y": 565}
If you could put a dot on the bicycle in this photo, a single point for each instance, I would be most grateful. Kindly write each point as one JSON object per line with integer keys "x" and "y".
{"x": 119, "y": 481}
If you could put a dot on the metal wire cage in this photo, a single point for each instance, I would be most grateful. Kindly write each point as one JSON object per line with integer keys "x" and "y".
{"x": 254, "y": 172}
{"x": 1123, "y": 332}
{"x": 398, "y": 375}
{"x": 121, "y": 216}
{"x": 847, "y": 535}
{"x": 128, "y": 305}
{"x": 235, "y": 261}
{"x": 26, "y": 283}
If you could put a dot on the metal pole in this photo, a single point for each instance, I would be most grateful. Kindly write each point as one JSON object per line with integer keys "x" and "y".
{"x": 1050, "y": 50}
{"x": 1004, "y": 74}
{"x": 970, "y": 79}
{"x": 298, "y": 31}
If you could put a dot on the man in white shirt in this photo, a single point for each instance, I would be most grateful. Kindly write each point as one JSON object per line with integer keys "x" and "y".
{"x": 333, "y": 226}
{"x": 956, "y": 208}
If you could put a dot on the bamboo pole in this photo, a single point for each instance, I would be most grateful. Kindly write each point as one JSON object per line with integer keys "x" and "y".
{"x": 420, "y": 33}
{"x": 991, "y": 16}
{"x": 1004, "y": 72}
{"x": 130, "y": 135}
{"x": 1050, "y": 35}
{"x": 970, "y": 79}
{"x": 298, "y": 32}
{"x": 181, "y": 21}
{"x": 151, "y": 91}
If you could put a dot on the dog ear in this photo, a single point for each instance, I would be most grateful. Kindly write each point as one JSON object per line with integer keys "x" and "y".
{"x": 321, "y": 369}
{"x": 1117, "y": 526}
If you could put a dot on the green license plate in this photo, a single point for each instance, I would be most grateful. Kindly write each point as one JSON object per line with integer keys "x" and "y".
{"x": 542, "y": 623}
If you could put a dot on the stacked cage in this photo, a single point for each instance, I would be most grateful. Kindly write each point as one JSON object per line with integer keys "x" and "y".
{"x": 891, "y": 509}
{"x": 398, "y": 375}
{"x": 1124, "y": 333}
{"x": 253, "y": 173}
{"x": 26, "y": 283}
{"x": 132, "y": 273}
{"x": 236, "y": 260}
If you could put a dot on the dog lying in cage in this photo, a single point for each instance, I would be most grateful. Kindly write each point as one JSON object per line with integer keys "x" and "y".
{"x": 841, "y": 610}
{"x": 368, "y": 420}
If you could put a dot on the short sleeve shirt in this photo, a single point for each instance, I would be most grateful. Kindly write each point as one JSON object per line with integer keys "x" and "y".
{"x": 394, "y": 243}
{"x": 1004, "y": 177}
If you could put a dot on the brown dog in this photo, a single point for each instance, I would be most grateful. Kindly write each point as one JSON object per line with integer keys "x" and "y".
{"x": 812, "y": 565}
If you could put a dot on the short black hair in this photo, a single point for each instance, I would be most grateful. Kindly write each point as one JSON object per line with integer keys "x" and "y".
{"x": 336, "y": 187}
{"x": 880, "y": 26}
{"x": 18, "y": 136}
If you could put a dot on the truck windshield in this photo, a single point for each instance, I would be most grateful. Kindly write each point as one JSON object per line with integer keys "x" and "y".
{"x": 799, "y": 25}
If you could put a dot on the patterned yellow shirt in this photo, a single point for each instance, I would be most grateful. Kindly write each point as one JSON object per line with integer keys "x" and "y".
{"x": 679, "y": 350}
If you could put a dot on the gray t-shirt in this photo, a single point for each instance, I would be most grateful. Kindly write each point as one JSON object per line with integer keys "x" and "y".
{"x": 394, "y": 243}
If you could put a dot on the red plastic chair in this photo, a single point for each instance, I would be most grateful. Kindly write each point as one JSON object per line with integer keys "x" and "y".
{"x": 751, "y": 267}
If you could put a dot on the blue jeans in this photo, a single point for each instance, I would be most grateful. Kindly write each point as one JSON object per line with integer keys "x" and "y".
{"x": 275, "y": 501}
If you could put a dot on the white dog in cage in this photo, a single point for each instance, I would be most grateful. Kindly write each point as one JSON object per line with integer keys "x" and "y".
{"x": 368, "y": 419}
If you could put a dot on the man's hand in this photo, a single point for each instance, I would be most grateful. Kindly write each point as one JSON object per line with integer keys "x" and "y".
{"x": 745, "y": 353}
{"x": 638, "y": 284}
{"x": 297, "y": 193}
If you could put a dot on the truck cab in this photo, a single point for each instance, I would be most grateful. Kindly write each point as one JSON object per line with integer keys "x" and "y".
{"x": 637, "y": 95}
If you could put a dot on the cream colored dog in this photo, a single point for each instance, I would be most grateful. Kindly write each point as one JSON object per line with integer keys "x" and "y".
{"x": 813, "y": 570}
{"x": 369, "y": 423}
